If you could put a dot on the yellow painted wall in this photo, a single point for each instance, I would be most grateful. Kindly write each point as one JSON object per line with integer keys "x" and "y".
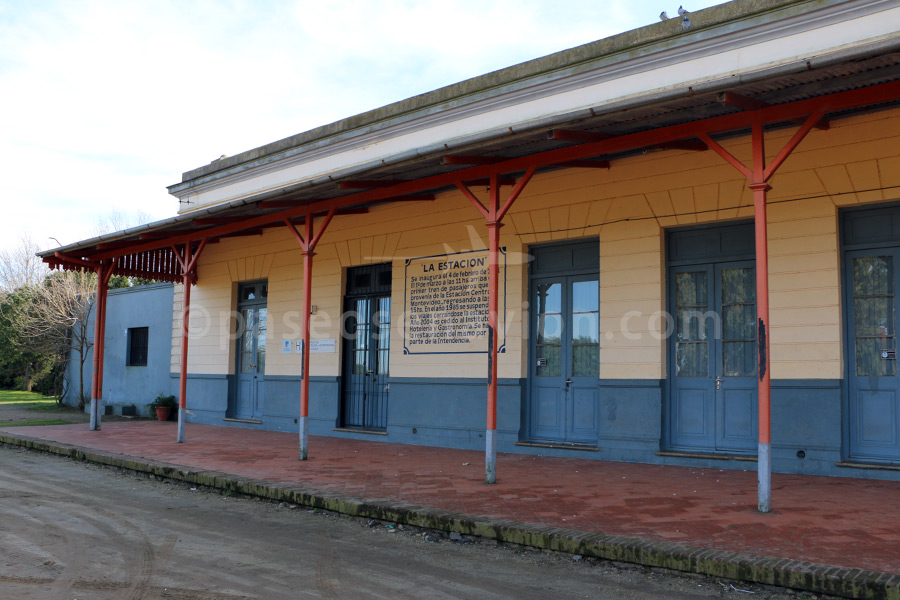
{"x": 627, "y": 207}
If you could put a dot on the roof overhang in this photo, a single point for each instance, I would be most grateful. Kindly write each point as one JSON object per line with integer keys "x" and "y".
{"x": 849, "y": 79}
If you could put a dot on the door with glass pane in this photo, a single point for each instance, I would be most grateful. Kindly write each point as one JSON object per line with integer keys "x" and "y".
{"x": 566, "y": 359}
{"x": 713, "y": 395}
{"x": 251, "y": 350}
{"x": 874, "y": 407}
{"x": 367, "y": 348}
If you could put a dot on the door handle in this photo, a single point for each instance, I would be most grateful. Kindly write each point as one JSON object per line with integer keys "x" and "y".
{"x": 568, "y": 383}
{"x": 718, "y": 382}
{"x": 252, "y": 366}
{"x": 370, "y": 372}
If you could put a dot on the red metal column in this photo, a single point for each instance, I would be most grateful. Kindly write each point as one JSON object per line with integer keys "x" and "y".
{"x": 493, "y": 345}
{"x": 104, "y": 272}
{"x": 185, "y": 326}
{"x": 764, "y": 459}
{"x": 308, "y": 243}
{"x": 304, "y": 358}
{"x": 107, "y": 272}
{"x": 99, "y": 317}
{"x": 188, "y": 275}
{"x": 493, "y": 215}
{"x": 758, "y": 177}
{"x": 760, "y": 187}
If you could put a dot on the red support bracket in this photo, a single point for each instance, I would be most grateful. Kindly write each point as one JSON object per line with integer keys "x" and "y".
{"x": 811, "y": 121}
{"x": 322, "y": 227}
{"x": 93, "y": 266}
{"x": 495, "y": 212}
{"x": 193, "y": 263}
{"x": 189, "y": 260}
{"x": 726, "y": 155}
{"x": 473, "y": 199}
{"x": 529, "y": 173}
{"x": 108, "y": 272}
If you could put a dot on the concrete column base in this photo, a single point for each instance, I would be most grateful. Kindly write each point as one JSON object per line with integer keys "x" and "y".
{"x": 490, "y": 456}
{"x": 764, "y": 476}
{"x": 304, "y": 437}
{"x": 95, "y": 414}
{"x": 181, "y": 419}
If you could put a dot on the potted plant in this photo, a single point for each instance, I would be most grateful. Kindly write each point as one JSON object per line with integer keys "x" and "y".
{"x": 164, "y": 406}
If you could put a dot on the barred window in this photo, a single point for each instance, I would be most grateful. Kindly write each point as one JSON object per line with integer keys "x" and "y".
{"x": 138, "y": 338}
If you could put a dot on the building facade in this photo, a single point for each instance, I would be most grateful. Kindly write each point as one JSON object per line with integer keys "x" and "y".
{"x": 621, "y": 183}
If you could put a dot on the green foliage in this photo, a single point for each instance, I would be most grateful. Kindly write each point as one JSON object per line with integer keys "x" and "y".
{"x": 23, "y": 364}
{"x": 118, "y": 282}
{"x": 164, "y": 401}
{"x": 136, "y": 281}
{"x": 41, "y": 326}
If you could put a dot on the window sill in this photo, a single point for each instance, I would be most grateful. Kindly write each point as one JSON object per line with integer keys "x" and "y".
{"x": 867, "y": 466}
{"x": 252, "y": 421}
{"x": 677, "y": 454}
{"x": 558, "y": 446}
{"x": 366, "y": 431}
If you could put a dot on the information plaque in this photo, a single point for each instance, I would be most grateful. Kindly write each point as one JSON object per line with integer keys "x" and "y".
{"x": 446, "y": 303}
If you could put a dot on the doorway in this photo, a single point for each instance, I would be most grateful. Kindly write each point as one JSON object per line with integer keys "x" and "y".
{"x": 871, "y": 278}
{"x": 367, "y": 348}
{"x": 250, "y": 353}
{"x": 713, "y": 401}
{"x": 565, "y": 344}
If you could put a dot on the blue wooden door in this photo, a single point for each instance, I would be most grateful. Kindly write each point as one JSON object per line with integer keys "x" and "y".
{"x": 874, "y": 405}
{"x": 250, "y": 353}
{"x": 713, "y": 384}
{"x": 566, "y": 359}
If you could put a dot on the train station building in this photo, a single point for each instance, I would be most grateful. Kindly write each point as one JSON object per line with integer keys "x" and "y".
{"x": 678, "y": 245}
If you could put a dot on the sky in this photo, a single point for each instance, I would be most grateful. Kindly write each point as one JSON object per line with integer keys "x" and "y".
{"x": 104, "y": 103}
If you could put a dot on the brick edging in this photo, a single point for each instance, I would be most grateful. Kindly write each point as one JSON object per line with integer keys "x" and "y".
{"x": 800, "y": 575}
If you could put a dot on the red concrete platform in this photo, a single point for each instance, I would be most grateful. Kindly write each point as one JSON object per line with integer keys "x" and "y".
{"x": 834, "y": 521}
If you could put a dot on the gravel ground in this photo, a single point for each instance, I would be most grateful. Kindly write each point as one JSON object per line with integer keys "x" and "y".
{"x": 70, "y": 530}
{"x": 11, "y": 414}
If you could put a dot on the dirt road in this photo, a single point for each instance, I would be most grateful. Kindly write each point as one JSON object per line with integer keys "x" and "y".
{"x": 75, "y": 531}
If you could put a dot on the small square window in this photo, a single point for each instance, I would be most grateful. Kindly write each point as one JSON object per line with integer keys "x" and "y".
{"x": 138, "y": 338}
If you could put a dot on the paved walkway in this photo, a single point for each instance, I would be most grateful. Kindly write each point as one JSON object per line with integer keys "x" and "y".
{"x": 834, "y": 521}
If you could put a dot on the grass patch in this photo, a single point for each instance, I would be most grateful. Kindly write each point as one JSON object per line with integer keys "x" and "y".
{"x": 18, "y": 398}
{"x": 35, "y": 422}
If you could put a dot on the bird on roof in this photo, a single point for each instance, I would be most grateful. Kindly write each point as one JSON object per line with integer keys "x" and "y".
{"x": 663, "y": 16}
{"x": 685, "y": 20}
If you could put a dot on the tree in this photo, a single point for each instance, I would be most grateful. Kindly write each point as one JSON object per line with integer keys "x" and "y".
{"x": 20, "y": 366}
{"x": 20, "y": 266}
{"x": 54, "y": 319}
